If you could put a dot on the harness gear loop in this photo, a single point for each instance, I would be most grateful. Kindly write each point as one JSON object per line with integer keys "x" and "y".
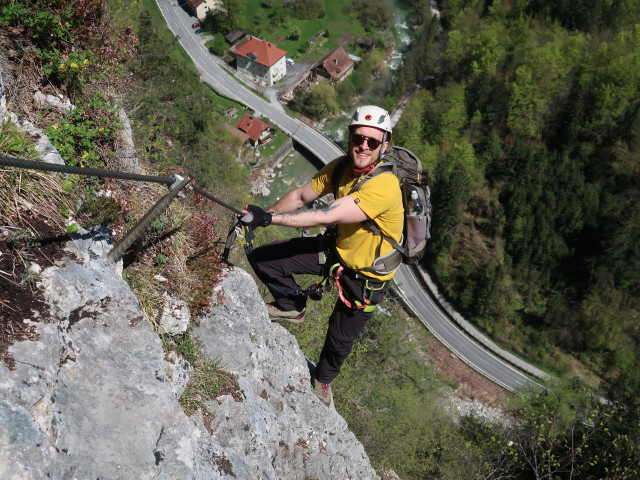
{"x": 241, "y": 234}
{"x": 365, "y": 305}
{"x": 314, "y": 291}
{"x": 245, "y": 237}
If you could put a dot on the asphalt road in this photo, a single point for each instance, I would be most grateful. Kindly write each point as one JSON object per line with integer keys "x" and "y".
{"x": 455, "y": 339}
{"x": 214, "y": 72}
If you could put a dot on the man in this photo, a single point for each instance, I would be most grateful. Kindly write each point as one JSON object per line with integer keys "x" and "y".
{"x": 360, "y": 285}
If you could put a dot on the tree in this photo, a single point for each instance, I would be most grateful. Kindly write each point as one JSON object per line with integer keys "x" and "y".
{"x": 361, "y": 79}
{"x": 280, "y": 16}
{"x": 450, "y": 192}
{"x": 569, "y": 434}
{"x": 227, "y": 20}
{"x": 421, "y": 13}
{"x": 601, "y": 316}
{"x": 409, "y": 131}
{"x": 322, "y": 101}
{"x": 294, "y": 33}
{"x": 376, "y": 13}
{"x": 306, "y": 9}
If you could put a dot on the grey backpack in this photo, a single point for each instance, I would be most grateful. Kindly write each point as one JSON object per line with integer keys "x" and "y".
{"x": 416, "y": 199}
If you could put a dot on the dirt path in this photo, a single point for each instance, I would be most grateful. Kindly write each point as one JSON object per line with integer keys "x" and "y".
{"x": 473, "y": 386}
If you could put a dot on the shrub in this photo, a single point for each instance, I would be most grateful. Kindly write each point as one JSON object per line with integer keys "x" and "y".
{"x": 86, "y": 134}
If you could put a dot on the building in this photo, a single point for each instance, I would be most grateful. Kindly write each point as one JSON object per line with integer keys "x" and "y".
{"x": 243, "y": 137}
{"x": 335, "y": 67}
{"x": 234, "y": 36}
{"x": 260, "y": 60}
{"x": 201, "y": 7}
{"x": 258, "y": 131}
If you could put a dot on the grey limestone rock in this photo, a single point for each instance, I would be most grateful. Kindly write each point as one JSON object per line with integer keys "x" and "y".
{"x": 96, "y": 397}
{"x": 90, "y": 398}
{"x": 280, "y": 430}
{"x": 175, "y": 316}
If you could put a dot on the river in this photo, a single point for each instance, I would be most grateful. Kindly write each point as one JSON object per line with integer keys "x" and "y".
{"x": 298, "y": 168}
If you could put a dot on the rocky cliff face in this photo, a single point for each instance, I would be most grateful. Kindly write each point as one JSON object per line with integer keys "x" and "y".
{"x": 95, "y": 396}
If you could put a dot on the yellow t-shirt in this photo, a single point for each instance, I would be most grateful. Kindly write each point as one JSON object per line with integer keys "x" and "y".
{"x": 381, "y": 200}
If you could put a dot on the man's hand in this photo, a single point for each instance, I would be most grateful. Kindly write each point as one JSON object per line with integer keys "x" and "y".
{"x": 255, "y": 217}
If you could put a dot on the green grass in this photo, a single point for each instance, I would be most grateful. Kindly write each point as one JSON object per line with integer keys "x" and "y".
{"x": 334, "y": 21}
{"x": 208, "y": 381}
{"x": 152, "y": 7}
{"x": 14, "y": 143}
{"x": 223, "y": 103}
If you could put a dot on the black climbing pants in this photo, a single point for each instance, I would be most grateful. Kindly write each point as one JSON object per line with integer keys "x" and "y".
{"x": 277, "y": 263}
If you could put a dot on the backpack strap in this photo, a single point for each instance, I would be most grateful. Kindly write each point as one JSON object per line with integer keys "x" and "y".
{"x": 336, "y": 175}
{"x": 393, "y": 259}
{"x": 370, "y": 224}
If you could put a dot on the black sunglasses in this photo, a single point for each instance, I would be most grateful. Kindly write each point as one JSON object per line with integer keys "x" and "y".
{"x": 358, "y": 139}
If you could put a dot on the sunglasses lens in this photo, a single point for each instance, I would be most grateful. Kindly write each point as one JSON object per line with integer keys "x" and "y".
{"x": 359, "y": 140}
{"x": 373, "y": 143}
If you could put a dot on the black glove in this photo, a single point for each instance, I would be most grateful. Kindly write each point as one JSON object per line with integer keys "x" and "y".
{"x": 256, "y": 217}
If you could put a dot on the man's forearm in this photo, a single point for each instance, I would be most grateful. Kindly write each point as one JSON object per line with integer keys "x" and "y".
{"x": 306, "y": 218}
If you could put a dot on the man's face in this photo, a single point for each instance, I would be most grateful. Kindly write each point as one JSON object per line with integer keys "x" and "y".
{"x": 361, "y": 151}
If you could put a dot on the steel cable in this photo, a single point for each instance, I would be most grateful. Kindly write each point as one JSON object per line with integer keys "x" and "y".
{"x": 175, "y": 182}
{"x": 96, "y": 172}
{"x": 93, "y": 172}
{"x": 206, "y": 194}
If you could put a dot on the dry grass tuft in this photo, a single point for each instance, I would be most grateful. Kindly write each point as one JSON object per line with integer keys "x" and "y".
{"x": 208, "y": 382}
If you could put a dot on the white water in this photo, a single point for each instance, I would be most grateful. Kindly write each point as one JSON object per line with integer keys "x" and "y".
{"x": 403, "y": 40}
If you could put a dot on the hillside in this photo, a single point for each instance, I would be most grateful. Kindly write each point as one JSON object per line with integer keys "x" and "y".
{"x": 78, "y": 67}
{"x": 529, "y": 126}
{"x": 90, "y": 385}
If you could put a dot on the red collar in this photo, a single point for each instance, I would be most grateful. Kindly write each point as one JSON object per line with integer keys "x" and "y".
{"x": 357, "y": 172}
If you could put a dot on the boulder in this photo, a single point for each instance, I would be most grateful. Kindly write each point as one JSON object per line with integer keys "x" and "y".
{"x": 96, "y": 395}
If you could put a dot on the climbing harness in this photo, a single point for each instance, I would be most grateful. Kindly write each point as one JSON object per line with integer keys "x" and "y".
{"x": 336, "y": 272}
{"x": 332, "y": 271}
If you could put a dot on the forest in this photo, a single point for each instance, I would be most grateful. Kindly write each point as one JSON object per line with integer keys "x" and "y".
{"x": 529, "y": 124}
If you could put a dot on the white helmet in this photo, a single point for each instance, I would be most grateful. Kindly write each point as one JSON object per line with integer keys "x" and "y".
{"x": 372, "y": 116}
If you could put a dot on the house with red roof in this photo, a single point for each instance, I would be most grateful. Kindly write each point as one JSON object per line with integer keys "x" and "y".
{"x": 335, "y": 67}
{"x": 201, "y": 7}
{"x": 256, "y": 130}
{"x": 260, "y": 60}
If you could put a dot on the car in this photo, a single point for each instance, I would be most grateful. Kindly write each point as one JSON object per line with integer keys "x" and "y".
{"x": 290, "y": 61}
{"x": 196, "y": 25}
{"x": 199, "y": 30}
